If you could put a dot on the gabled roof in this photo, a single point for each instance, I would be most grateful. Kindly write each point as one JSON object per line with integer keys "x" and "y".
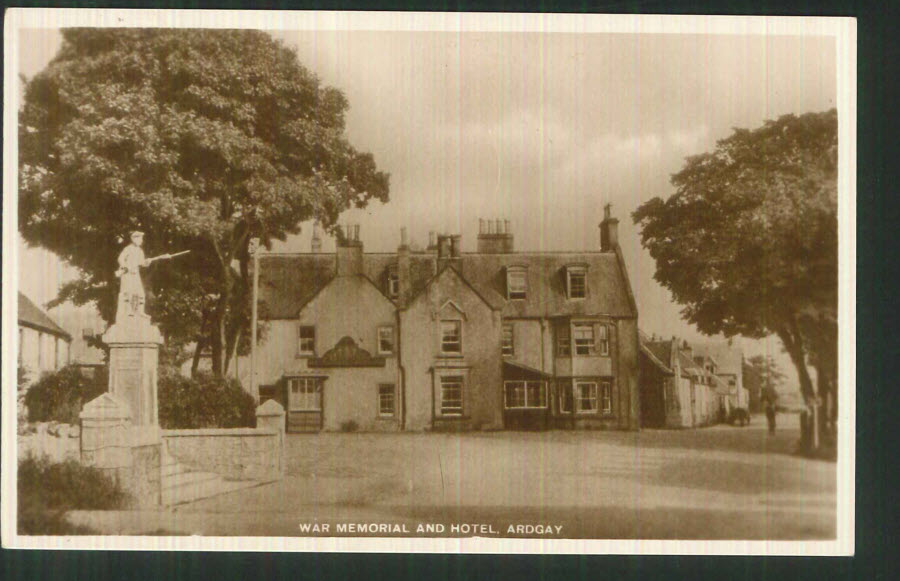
{"x": 30, "y": 315}
{"x": 729, "y": 358}
{"x": 352, "y": 285}
{"x": 288, "y": 282}
{"x": 687, "y": 365}
{"x": 658, "y": 352}
{"x": 490, "y": 298}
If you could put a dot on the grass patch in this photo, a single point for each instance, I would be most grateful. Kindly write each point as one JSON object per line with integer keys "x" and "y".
{"x": 48, "y": 489}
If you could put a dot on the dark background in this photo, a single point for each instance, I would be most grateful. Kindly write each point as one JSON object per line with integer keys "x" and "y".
{"x": 877, "y": 403}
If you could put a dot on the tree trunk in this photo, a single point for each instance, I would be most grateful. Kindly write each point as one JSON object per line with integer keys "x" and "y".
{"x": 219, "y": 342}
{"x": 793, "y": 344}
{"x": 233, "y": 343}
{"x": 198, "y": 350}
{"x": 202, "y": 342}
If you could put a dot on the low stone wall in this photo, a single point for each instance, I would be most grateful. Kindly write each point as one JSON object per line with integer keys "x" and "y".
{"x": 235, "y": 454}
{"x": 58, "y": 442}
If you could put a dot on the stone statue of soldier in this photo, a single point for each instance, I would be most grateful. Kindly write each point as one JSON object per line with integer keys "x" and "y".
{"x": 131, "y": 289}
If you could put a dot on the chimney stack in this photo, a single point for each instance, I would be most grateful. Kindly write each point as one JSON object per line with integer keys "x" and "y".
{"x": 403, "y": 241}
{"x": 443, "y": 246}
{"x": 494, "y": 237}
{"x": 609, "y": 230}
{"x": 455, "y": 245}
{"x": 349, "y": 252}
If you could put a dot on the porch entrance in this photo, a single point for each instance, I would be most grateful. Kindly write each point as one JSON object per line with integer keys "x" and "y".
{"x": 304, "y": 397}
{"x": 526, "y": 398}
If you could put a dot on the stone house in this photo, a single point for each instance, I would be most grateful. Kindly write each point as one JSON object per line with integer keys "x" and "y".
{"x": 729, "y": 358}
{"x": 442, "y": 339}
{"x": 657, "y": 382}
{"x": 43, "y": 345}
{"x": 689, "y": 383}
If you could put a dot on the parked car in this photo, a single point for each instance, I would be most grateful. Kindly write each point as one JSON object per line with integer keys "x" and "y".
{"x": 739, "y": 417}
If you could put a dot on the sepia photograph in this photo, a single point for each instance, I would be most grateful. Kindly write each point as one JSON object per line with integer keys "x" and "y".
{"x": 405, "y": 282}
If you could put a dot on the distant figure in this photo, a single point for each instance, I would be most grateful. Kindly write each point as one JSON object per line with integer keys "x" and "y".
{"x": 131, "y": 289}
{"x": 770, "y": 415}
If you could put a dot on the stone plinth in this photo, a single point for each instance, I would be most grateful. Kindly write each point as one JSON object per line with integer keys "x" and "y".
{"x": 133, "y": 357}
{"x": 130, "y": 454}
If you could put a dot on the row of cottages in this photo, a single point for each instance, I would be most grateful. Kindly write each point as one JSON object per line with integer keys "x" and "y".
{"x": 685, "y": 385}
{"x": 43, "y": 345}
{"x": 442, "y": 339}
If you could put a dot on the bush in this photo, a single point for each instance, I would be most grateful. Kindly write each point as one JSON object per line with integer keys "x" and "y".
{"x": 349, "y": 426}
{"x": 48, "y": 489}
{"x": 59, "y": 395}
{"x": 204, "y": 402}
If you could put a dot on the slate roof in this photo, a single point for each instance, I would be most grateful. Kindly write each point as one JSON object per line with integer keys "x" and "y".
{"x": 491, "y": 298}
{"x": 728, "y": 357}
{"x": 30, "y": 315}
{"x": 687, "y": 365}
{"x": 659, "y": 352}
{"x": 289, "y": 281}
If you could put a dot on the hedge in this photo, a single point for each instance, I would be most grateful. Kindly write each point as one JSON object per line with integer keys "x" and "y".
{"x": 204, "y": 402}
{"x": 48, "y": 489}
{"x": 59, "y": 395}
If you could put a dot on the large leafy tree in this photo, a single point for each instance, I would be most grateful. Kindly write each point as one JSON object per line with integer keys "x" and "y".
{"x": 747, "y": 244}
{"x": 202, "y": 139}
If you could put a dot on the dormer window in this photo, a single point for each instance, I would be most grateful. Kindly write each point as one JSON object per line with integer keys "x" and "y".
{"x": 516, "y": 283}
{"x": 576, "y": 282}
{"x": 393, "y": 284}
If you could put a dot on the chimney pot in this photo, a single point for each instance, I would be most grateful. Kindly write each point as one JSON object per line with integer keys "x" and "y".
{"x": 494, "y": 237}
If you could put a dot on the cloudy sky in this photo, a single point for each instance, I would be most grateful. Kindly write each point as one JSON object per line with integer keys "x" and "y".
{"x": 539, "y": 129}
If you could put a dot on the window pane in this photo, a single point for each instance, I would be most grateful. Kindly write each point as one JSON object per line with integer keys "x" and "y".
{"x": 385, "y": 339}
{"x": 606, "y": 397}
{"x": 451, "y": 337}
{"x": 577, "y": 285}
{"x": 451, "y": 395}
{"x": 586, "y": 397}
{"x": 307, "y": 339}
{"x": 562, "y": 341}
{"x": 393, "y": 285}
{"x": 516, "y": 284}
{"x": 386, "y": 399}
{"x": 508, "y": 345}
{"x": 604, "y": 339}
{"x": 515, "y": 394}
{"x": 584, "y": 339}
{"x": 537, "y": 394}
{"x": 306, "y": 394}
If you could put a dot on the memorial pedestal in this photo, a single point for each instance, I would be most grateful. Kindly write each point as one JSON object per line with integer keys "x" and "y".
{"x": 133, "y": 359}
{"x": 120, "y": 429}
